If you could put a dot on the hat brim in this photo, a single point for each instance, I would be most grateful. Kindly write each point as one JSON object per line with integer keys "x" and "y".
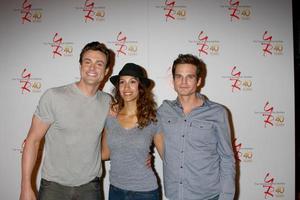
{"x": 145, "y": 81}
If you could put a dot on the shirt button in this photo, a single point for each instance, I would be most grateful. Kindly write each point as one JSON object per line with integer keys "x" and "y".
{"x": 180, "y": 182}
{"x": 181, "y": 151}
{"x": 182, "y": 135}
{"x": 181, "y": 167}
{"x": 185, "y": 120}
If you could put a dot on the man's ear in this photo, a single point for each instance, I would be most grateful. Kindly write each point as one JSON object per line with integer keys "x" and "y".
{"x": 199, "y": 82}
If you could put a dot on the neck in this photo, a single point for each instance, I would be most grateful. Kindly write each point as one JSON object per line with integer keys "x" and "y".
{"x": 190, "y": 102}
{"x": 129, "y": 108}
{"x": 88, "y": 90}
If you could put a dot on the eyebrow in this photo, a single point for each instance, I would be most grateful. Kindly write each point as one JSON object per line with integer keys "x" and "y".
{"x": 135, "y": 78}
{"x": 185, "y": 75}
{"x": 84, "y": 59}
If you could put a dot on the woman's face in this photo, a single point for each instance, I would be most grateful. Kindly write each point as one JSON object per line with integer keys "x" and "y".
{"x": 129, "y": 88}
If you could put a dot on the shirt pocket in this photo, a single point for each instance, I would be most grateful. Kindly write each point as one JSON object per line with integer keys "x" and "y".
{"x": 170, "y": 128}
{"x": 202, "y": 132}
{"x": 169, "y": 122}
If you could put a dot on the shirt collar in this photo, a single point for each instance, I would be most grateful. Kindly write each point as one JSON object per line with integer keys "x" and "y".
{"x": 176, "y": 102}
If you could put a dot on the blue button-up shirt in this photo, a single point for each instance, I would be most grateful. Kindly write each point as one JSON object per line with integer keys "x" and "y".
{"x": 198, "y": 161}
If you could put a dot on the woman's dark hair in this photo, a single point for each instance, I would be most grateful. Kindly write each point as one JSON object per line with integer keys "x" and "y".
{"x": 146, "y": 106}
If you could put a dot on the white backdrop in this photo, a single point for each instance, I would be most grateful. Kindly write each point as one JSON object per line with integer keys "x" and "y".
{"x": 247, "y": 46}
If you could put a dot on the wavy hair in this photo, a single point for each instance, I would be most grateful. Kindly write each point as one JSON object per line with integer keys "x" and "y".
{"x": 146, "y": 106}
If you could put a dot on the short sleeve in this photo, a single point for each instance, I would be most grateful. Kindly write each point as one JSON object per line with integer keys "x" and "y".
{"x": 157, "y": 125}
{"x": 44, "y": 110}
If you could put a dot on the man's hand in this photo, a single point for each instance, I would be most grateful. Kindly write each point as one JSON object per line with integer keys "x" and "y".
{"x": 149, "y": 159}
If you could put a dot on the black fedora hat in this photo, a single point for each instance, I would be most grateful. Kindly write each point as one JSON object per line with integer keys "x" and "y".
{"x": 131, "y": 69}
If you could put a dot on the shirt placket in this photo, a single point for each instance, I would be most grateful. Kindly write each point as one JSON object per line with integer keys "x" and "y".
{"x": 182, "y": 153}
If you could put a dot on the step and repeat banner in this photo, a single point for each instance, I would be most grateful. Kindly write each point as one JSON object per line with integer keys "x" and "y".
{"x": 247, "y": 46}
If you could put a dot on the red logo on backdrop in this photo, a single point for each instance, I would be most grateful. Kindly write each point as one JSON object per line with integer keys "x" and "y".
{"x": 173, "y": 11}
{"x": 92, "y": 12}
{"x": 57, "y": 49}
{"x": 202, "y": 45}
{"x": 268, "y": 186}
{"x": 268, "y": 114}
{"x": 26, "y": 11}
{"x": 205, "y": 46}
{"x": 267, "y": 46}
{"x": 234, "y": 10}
{"x": 25, "y": 81}
{"x": 235, "y": 79}
{"x": 272, "y": 117}
{"x": 89, "y": 10}
{"x": 125, "y": 47}
{"x": 237, "y": 10}
{"x": 59, "y": 46}
{"x": 121, "y": 40}
{"x": 237, "y": 148}
{"x": 271, "y": 188}
{"x": 241, "y": 153}
{"x": 239, "y": 83}
{"x": 169, "y": 8}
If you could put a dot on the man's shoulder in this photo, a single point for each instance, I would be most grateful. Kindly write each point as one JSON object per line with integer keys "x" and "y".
{"x": 59, "y": 88}
{"x": 166, "y": 104}
{"x": 54, "y": 91}
{"x": 217, "y": 107}
{"x": 104, "y": 95}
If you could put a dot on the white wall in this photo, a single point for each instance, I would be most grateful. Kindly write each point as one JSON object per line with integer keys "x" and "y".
{"x": 154, "y": 41}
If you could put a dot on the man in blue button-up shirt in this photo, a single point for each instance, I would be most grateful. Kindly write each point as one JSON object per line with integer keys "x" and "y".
{"x": 198, "y": 159}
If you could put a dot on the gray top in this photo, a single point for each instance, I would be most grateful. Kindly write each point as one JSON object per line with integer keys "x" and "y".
{"x": 198, "y": 158}
{"x": 72, "y": 143}
{"x": 128, "y": 152}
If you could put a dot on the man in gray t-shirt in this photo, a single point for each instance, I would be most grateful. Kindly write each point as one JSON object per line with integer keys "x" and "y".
{"x": 71, "y": 118}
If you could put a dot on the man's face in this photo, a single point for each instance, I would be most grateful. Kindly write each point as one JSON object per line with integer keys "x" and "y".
{"x": 92, "y": 69}
{"x": 185, "y": 80}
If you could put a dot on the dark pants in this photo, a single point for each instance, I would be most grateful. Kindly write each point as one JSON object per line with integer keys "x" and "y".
{"x": 53, "y": 191}
{"x": 119, "y": 194}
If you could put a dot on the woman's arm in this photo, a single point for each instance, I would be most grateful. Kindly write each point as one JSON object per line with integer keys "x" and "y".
{"x": 159, "y": 144}
{"x": 105, "y": 151}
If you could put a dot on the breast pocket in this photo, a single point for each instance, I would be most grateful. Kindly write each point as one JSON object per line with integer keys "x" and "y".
{"x": 169, "y": 122}
{"x": 170, "y": 128}
{"x": 202, "y": 132}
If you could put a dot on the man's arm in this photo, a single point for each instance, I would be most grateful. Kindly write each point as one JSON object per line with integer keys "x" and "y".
{"x": 36, "y": 132}
{"x": 227, "y": 163}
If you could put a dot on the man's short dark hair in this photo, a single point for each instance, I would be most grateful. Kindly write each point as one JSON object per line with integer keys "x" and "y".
{"x": 96, "y": 46}
{"x": 189, "y": 59}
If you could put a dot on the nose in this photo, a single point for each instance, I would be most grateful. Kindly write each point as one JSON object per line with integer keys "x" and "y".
{"x": 184, "y": 80}
{"x": 126, "y": 86}
{"x": 92, "y": 66}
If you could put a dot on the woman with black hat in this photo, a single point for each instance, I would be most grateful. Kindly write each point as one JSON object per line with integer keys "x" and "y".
{"x": 128, "y": 136}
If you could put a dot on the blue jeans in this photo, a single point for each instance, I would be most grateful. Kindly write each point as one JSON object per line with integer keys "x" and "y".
{"x": 53, "y": 191}
{"x": 120, "y": 194}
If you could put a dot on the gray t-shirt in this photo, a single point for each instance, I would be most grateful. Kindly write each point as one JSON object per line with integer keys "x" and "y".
{"x": 72, "y": 143}
{"x": 128, "y": 152}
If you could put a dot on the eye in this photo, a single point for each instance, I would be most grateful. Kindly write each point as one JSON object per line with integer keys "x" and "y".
{"x": 191, "y": 77}
{"x": 133, "y": 81}
{"x": 86, "y": 62}
{"x": 100, "y": 64}
{"x": 177, "y": 76}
